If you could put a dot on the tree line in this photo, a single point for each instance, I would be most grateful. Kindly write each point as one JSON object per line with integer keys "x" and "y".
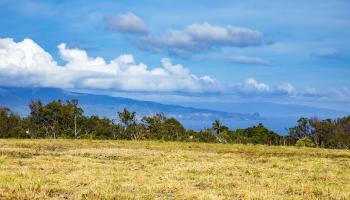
{"x": 66, "y": 119}
{"x": 325, "y": 133}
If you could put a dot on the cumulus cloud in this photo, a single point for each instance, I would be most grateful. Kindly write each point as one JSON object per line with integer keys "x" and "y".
{"x": 199, "y": 37}
{"x": 126, "y": 23}
{"x": 311, "y": 92}
{"x": 25, "y": 63}
{"x": 342, "y": 93}
{"x": 285, "y": 88}
{"x": 247, "y": 60}
{"x": 327, "y": 54}
{"x": 252, "y": 87}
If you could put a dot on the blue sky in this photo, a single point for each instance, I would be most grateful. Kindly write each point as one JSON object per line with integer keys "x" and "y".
{"x": 276, "y": 51}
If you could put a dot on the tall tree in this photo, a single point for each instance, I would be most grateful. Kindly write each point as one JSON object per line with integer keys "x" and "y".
{"x": 218, "y": 127}
{"x": 129, "y": 123}
{"x": 302, "y": 129}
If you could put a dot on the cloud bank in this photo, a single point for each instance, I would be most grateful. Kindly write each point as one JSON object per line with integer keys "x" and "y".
{"x": 126, "y": 23}
{"x": 247, "y": 60}
{"x": 252, "y": 87}
{"x": 327, "y": 54}
{"x": 201, "y": 37}
{"x": 25, "y": 63}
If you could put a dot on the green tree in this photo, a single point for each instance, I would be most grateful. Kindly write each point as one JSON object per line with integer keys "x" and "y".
{"x": 10, "y": 124}
{"x": 302, "y": 129}
{"x": 129, "y": 124}
{"x": 154, "y": 126}
{"x": 56, "y": 118}
{"x": 305, "y": 142}
{"x": 218, "y": 127}
{"x": 161, "y": 127}
{"x": 260, "y": 135}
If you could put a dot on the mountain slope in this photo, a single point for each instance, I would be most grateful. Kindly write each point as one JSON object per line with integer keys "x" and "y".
{"x": 268, "y": 109}
{"x": 17, "y": 99}
{"x": 277, "y": 117}
{"x": 196, "y": 115}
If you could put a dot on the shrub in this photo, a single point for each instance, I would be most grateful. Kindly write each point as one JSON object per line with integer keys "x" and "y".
{"x": 305, "y": 142}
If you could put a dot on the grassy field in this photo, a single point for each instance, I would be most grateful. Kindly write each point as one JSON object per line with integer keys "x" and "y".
{"x": 90, "y": 169}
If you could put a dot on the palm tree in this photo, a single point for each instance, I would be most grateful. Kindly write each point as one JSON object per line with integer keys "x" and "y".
{"x": 217, "y": 126}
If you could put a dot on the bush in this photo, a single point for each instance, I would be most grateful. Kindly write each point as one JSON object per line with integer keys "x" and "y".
{"x": 305, "y": 142}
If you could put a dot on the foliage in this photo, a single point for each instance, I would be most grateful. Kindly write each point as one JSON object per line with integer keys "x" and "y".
{"x": 65, "y": 119}
{"x": 325, "y": 133}
{"x": 305, "y": 142}
{"x": 259, "y": 135}
{"x": 160, "y": 127}
{"x": 10, "y": 124}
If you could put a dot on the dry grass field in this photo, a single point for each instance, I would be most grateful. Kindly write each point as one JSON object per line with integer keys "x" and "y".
{"x": 90, "y": 169}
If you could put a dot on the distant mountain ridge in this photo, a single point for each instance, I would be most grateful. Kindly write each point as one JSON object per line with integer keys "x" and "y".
{"x": 268, "y": 109}
{"x": 17, "y": 98}
{"x": 194, "y": 115}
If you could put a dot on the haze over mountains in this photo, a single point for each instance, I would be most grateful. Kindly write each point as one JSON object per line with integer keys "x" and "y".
{"x": 193, "y": 115}
{"x": 18, "y": 98}
{"x": 275, "y": 116}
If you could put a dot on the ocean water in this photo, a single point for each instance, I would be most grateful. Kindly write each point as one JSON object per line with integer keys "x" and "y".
{"x": 277, "y": 124}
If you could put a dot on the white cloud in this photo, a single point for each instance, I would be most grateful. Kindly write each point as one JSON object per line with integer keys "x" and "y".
{"x": 327, "y": 53}
{"x": 342, "y": 93}
{"x": 229, "y": 35}
{"x": 247, "y": 60}
{"x": 286, "y": 88}
{"x": 310, "y": 90}
{"x": 252, "y": 87}
{"x": 27, "y": 64}
{"x": 127, "y": 23}
{"x": 199, "y": 37}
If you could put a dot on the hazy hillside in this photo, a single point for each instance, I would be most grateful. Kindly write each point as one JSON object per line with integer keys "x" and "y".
{"x": 277, "y": 117}
{"x": 268, "y": 109}
{"x": 18, "y": 98}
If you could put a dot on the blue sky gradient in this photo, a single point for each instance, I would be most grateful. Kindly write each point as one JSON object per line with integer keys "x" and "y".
{"x": 283, "y": 51}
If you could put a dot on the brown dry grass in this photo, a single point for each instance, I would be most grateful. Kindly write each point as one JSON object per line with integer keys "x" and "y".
{"x": 89, "y": 169}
